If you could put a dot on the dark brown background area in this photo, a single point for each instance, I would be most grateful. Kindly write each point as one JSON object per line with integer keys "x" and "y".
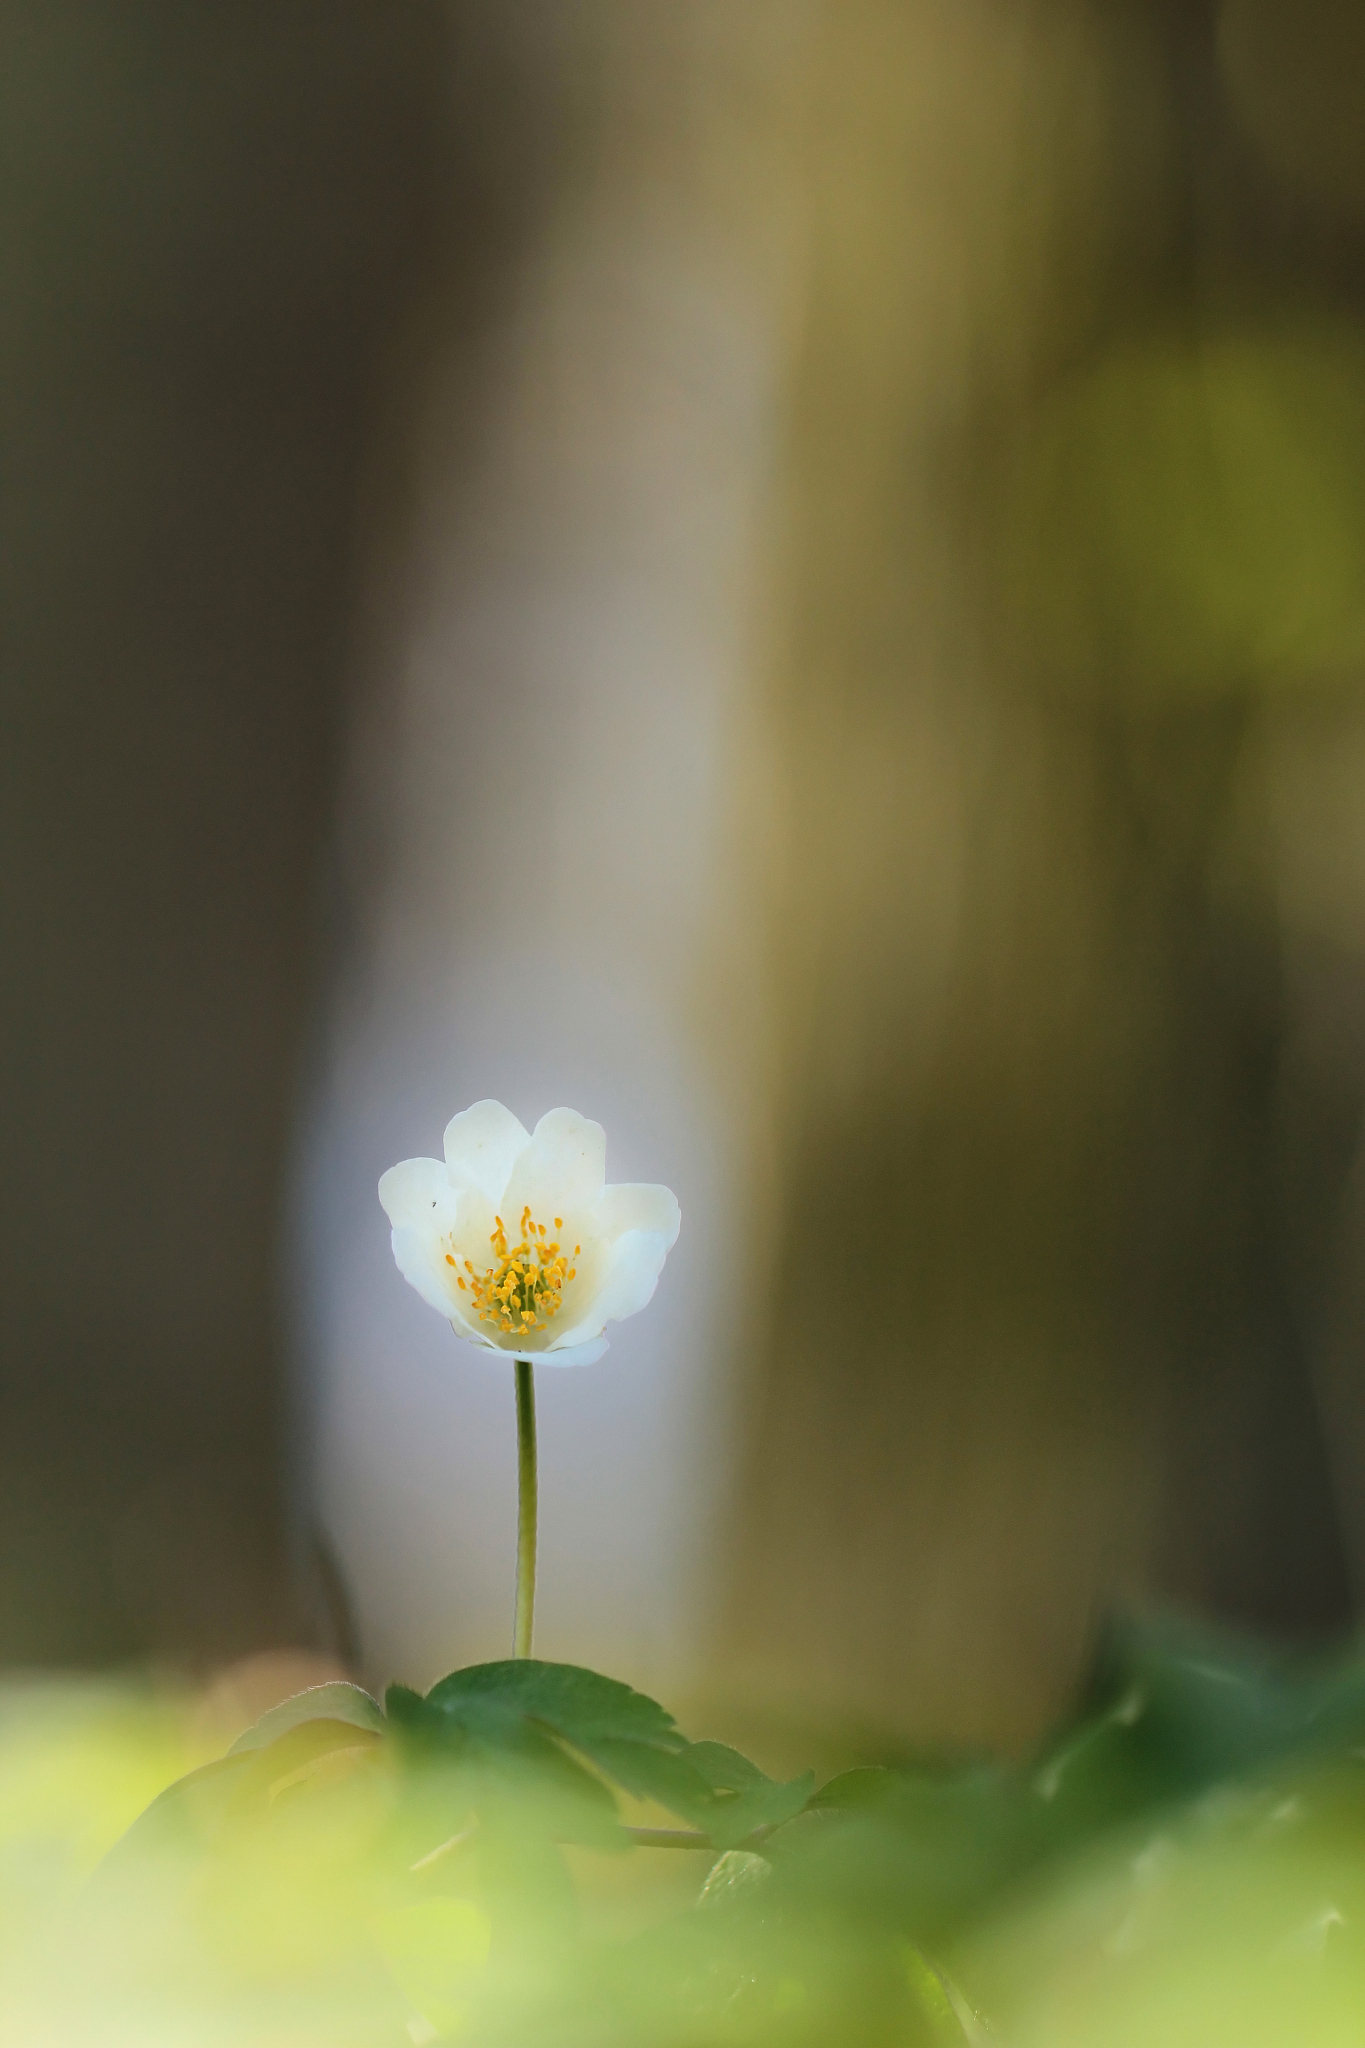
{"x": 213, "y": 222}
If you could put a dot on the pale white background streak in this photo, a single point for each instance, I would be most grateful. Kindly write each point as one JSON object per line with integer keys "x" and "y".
{"x": 545, "y": 881}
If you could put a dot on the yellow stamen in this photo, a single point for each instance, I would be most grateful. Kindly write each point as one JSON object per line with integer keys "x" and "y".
{"x": 522, "y": 1289}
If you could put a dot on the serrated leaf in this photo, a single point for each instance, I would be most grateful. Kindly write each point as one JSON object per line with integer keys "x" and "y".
{"x": 338, "y": 1700}
{"x": 866, "y": 1786}
{"x": 506, "y": 1760}
{"x": 629, "y": 1737}
{"x": 408, "y": 1710}
{"x": 767, "y": 1806}
{"x": 665, "y": 1776}
{"x": 723, "y": 1768}
{"x": 514, "y": 1705}
{"x": 744, "y": 1798}
{"x": 578, "y": 1704}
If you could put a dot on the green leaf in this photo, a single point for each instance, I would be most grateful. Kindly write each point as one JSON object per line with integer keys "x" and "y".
{"x": 665, "y": 1776}
{"x": 724, "y": 1769}
{"x": 744, "y": 1798}
{"x": 932, "y": 2000}
{"x": 406, "y": 1709}
{"x": 913, "y": 1849}
{"x": 501, "y": 1760}
{"x": 338, "y": 1700}
{"x": 181, "y": 1820}
{"x": 436, "y": 1950}
{"x": 734, "y": 1878}
{"x": 767, "y": 1807}
{"x": 630, "y": 1738}
{"x": 189, "y": 1816}
{"x": 523, "y": 1707}
{"x": 867, "y": 1786}
{"x": 580, "y": 1705}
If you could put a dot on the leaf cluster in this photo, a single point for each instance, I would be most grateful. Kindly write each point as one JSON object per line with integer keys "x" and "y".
{"x": 854, "y": 1912}
{"x": 574, "y": 1735}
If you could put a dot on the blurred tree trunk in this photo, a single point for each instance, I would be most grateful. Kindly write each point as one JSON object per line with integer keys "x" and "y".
{"x": 1038, "y": 1341}
{"x": 211, "y": 224}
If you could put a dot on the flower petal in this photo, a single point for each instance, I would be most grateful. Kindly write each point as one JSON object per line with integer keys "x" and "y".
{"x": 561, "y": 1169}
{"x": 420, "y": 1262}
{"x": 482, "y": 1143}
{"x": 417, "y": 1191}
{"x": 567, "y": 1354}
{"x": 636, "y": 1205}
{"x": 632, "y": 1268}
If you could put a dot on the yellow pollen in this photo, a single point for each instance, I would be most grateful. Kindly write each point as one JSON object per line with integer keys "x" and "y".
{"x": 522, "y": 1289}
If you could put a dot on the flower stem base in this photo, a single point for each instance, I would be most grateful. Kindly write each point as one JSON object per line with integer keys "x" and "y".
{"x": 524, "y": 1620}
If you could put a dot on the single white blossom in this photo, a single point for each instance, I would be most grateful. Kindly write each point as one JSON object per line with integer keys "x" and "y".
{"x": 516, "y": 1237}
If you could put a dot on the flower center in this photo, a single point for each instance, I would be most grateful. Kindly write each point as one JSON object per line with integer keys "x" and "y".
{"x": 522, "y": 1289}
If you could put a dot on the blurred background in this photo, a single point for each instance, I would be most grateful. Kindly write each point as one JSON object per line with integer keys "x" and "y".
{"x": 789, "y": 576}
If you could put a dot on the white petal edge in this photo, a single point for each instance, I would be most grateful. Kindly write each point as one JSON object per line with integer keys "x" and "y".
{"x": 482, "y": 1144}
{"x": 417, "y": 1191}
{"x": 417, "y": 1258}
{"x": 562, "y": 1168}
{"x": 637, "y": 1205}
{"x": 569, "y": 1354}
{"x": 635, "y": 1262}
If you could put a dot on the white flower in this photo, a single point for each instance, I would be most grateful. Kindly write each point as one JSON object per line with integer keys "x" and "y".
{"x": 519, "y": 1241}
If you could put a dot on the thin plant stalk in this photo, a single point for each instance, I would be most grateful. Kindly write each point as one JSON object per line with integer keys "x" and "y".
{"x": 524, "y": 1620}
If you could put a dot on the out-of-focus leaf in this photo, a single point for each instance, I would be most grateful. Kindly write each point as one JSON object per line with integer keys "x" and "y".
{"x": 1236, "y": 1921}
{"x": 1183, "y": 1866}
{"x": 663, "y": 1775}
{"x": 338, "y": 1700}
{"x": 181, "y": 1819}
{"x": 189, "y": 1814}
{"x": 1194, "y": 1705}
{"x": 745, "y": 1798}
{"x": 932, "y": 2003}
{"x": 437, "y": 1950}
{"x": 916, "y": 1854}
{"x": 760, "y": 1812}
{"x": 724, "y": 1769}
{"x": 734, "y": 1876}
{"x": 867, "y": 1786}
{"x": 1176, "y": 1712}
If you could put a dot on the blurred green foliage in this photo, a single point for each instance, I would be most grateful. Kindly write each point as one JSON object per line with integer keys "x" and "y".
{"x": 1187, "y": 514}
{"x": 1184, "y": 1864}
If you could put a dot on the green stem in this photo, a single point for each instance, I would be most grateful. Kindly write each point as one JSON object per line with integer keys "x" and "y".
{"x": 526, "y": 1510}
